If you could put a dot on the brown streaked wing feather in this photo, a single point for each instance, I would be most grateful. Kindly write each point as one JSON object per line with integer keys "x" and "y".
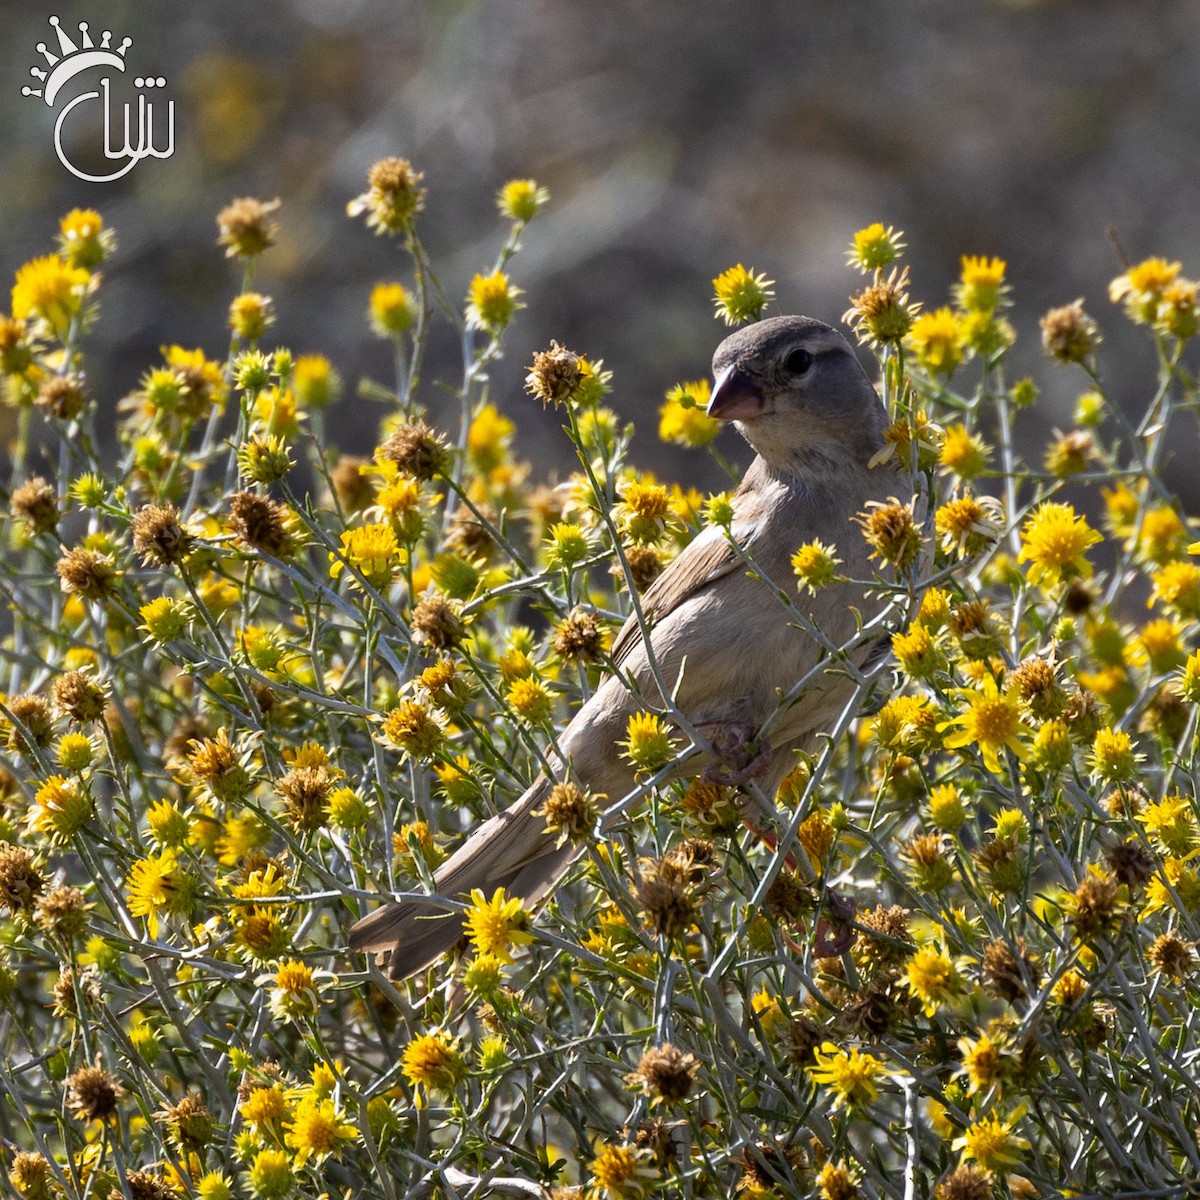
{"x": 706, "y": 559}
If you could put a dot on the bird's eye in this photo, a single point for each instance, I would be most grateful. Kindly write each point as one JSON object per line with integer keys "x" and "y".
{"x": 798, "y": 362}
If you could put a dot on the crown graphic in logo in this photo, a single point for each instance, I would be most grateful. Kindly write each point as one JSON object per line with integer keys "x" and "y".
{"x": 74, "y": 59}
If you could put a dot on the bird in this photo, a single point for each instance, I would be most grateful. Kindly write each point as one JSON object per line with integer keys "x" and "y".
{"x": 719, "y": 637}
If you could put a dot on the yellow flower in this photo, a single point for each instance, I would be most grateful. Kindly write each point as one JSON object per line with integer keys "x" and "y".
{"x": 530, "y": 699}
{"x": 936, "y": 339}
{"x": 1160, "y": 644}
{"x": 992, "y": 720}
{"x": 982, "y": 1061}
{"x": 60, "y": 809}
{"x": 815, "y": 565}
{"x": 491, "y": 302}
{"x": 314, "y": 381}
{"x": 917, "y": 653}
{"x": 1170, "y": 824}
{"x": 414, "y": 728}
{"x": 1142, "y": 286}
{"x": 372, "y": 550}
{"x": 931, "y": 976}
{"x": 1055, "y": 540}
{"x": 875, "y": 247}
{"x": 981, "y": 284}
{"x": 620, "y": 1173}
{"x": 741, "y": 295}
{"x": 520, "y": 199}
{"x": 1112, "y": 758}
{"x": 432, "y": 1061}
{"x": 271, "y": 1174}
{"x": 153, "y": 886}
{"x": 317, "y": 1130}
{"x": 946, "y": 809}
{"x": 265, "y": 1106}
{"x": 83, "y": 239}
{"x": 682, "y": 418}
{"x": 488, "y": 439}
{"x": 393, "y": 198}
{"x": 494, "y": 926}
{"x": 1178, "y": 878}
{"x": 296, "y": 992}
{"x": 968, "y": 524}
{"x": 1177, "y": 585}
{"x": 849, "y": 1074}
{"x": 643, "y": 511}
{"x": 49, "y": 288}
{"x": 251, "y": 314}
{"x": 1163, "y": 535}
{"x": 992, "y": 1143}
{"x": 648, "y": 745}
{"x": 882, "y": 312}
{"x": 391, "y": 309}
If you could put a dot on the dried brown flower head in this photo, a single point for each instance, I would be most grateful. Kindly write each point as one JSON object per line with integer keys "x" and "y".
{"x": 70, "y": 987}
{"x": 1096, "y": 906}
{"x": 570, "y": 812}
{"x": 189, "y": 1123}
{"x": 882, "y": 313}
{"x": 260, "y": 523}
{"x": 884, "y": 939}
{"x": 87, "y": 573}
{"x": 1071, "y": 453}
{"x": 31, "y": 1176}
{"x": 1130, "y": 863}
{"x": 965, "y": 1182}
{"x": 21, "y": 882}
{"x": 215, "y": 763}
{"x": 555, "y": 376}
{"x": 666, "y": 1072}
{"x": 159, "y": 536}
{"x": 891, "y": 531}
{"x": 393, "y": 198}
{"x": 579, "y": 637}
{"x": 353, "y": 489}
{"x": 62, "y": 397}
{"x": 436, "y": 622}
{"x": 33, "y": 712}
{"x": 666, "y": 900}
{"x": 1069, "y": 334}
{"x": 63, "y": 912}
{"x": 34, "y": 502}
{"x": 143, "y": 1185}
{"x": 645, "y": 565}
{"x": 1036, "y": 681}
{"x": 418, "y": 450}
{"x": 80, "y": 695}
{"x": 1010, "y": 971}
{"x": 93, "y": 1094}
{"x": 1171, "y": 955}
{"x": 305, "y": 793}
{"x": 789, "y": 898}
{"x": 469, "y": 535}
{"x": 246, "y": 226}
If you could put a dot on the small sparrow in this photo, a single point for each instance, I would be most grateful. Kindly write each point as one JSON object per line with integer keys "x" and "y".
{"x": 720, "y": 638}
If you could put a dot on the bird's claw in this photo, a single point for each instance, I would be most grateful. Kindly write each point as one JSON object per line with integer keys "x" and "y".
{"x": 736, "y": 761}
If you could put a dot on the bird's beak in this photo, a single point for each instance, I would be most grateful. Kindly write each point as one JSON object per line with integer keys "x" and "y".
{"x": 735, "y": 397}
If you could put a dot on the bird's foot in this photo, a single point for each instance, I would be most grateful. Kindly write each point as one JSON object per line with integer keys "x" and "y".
{"x": 738, "y": 760}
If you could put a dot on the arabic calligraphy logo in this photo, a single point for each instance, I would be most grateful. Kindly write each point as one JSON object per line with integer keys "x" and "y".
{"x": 75, "y": 59}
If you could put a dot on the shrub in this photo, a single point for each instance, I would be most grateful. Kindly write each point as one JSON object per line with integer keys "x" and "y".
{"x": 251, "y": 682}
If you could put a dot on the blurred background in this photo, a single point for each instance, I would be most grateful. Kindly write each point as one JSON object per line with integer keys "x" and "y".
{"x": 676, "y": 139}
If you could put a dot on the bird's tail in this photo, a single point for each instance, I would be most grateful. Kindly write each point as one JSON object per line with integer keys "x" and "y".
{"x": 511, "y": 850}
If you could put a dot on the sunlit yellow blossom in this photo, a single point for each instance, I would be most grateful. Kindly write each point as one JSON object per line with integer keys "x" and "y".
{"x": 393, "y": 198}
{"x": 1177, "y": 585}
{"x": 1163, "y": 535}
{"x": 741, "y": 295}
{"x": 967, "y": 525}
{"x": 155, "y": 885}
{"x": 815, "y": 565}
{"x": 682, "y": 418}
{"x": 875, "y": 247}
{"x": 491, "y": 302}
{"x": 432, "y": 1062}
{"x": 649, "y": 744}
{"x": 931, "y": 976}
{"x": 317, "y": 1130}
{"x": 1055, "y": 541}
{"x": 917, "y": 653}
{"x": 992, "y": 1143}
{"x": 372, "y": 550}
{"x": 937, "y": 341}
{"x": 981, "y": 284}
{"x": 271, "y": 1174}
{"x": 946, "y": 808}
{"x": 488, "y": 438}
{"x": 61, "y": 808}
{"x": 296, "y": 990}
{"x": 1142, "y": 286}
{"x": 50, "y": 288}
{"x": 851, "y": 1075}
{"x": 264, "y": 1105}
{"x": 520, "y": 199}
{"x": 1180, "y": 878}
{"x": 530, "y": 699}
{"x": 991, "y": 721}
{"x": 495, "y": 926}
{"x": 315, "y": 383}
{"x": 391, "y": 309}
{"x": 643, "y": 510}
{"x": 1113, "y": 759}
{"x": 1170, "y": 824}
{"x": 982, "y": 1060}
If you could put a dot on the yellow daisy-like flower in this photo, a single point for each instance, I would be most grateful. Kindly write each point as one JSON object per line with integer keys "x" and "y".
{"x": 982, "y": 1061}
{"x": 981, "y": 284}
{"x": 741, "y": 295}
{"x": 372, "y": 550}
{"x": 488, "y": 439}
{"x": 317, "y": 1130}
{"x": 50, "y": 288}
{"x": 494, "y": 926}
{"x": 432, "y": 1062}
{"x": 1055, "y": 541}
{"x": 992, "y": 1143}
{"x": 992, "y": 721}
{"x": 151, "y": 887}
{"x": 931, "y": 976}
{"x": 265, "y": 1106}
{"x": 1170, "y": 824}
{"x": 491, "y": 302}
{"x": 530, "y": 699}
{"x": 1113, "y": 759}
{"x": 1142, "y": 286}
{"x": 815, "y": 565}
{"x": 391, "y": 309}
{"x": 271, "y": 1174}
{"x": 875, "y": 247}
{"x": 520, "y": 199}
{"x": 682, "y": 418}
{"x": 1177, "y": 586}
{"x": 936, "y": 338}
{"x": 649, "y": 744}
{"x": 620, "y": 1173}
{"x": 849, "y": 1074}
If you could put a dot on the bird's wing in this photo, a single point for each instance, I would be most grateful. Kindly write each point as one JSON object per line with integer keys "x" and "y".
{"x": 709, "y": 557}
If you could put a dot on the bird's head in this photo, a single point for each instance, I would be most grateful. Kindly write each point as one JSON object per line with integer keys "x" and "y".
{"x": 797, "y": 393}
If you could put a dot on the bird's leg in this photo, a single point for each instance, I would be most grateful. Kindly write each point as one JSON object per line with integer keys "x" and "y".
{"x": 733, "y": 745}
